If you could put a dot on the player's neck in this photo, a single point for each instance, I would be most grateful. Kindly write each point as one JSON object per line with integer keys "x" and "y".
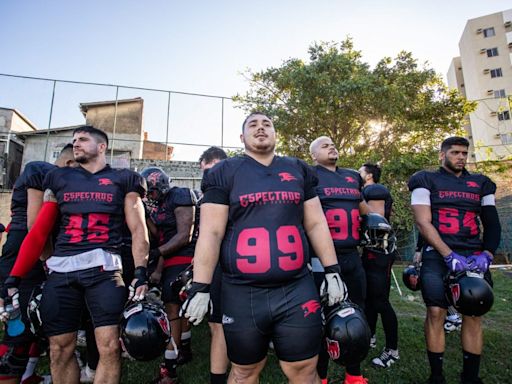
{"x": 95, "y": 165}
{"x": 456, "y": 173}
{"x": 330, "y": 167}
{"x": 369, "y": 182}
{"x": 262, "y": 158}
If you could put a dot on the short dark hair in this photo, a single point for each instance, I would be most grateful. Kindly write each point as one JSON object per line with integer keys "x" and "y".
{"x": 98, "y": 134}
{"x": 212, "y": 153}
{"x": 254, "y": 114}
{"x": 454, "y": 140}
{"x": 374, "y": 169}
{"x": 67, "y": 147}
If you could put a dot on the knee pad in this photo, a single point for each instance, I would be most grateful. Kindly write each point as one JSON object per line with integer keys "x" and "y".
{"x": 13, "y": 360}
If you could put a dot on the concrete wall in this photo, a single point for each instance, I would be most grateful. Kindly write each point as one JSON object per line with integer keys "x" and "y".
{"x": 156, "y": 151}
{"x": 12, "y": 121}
{"x": 183, "y": 173}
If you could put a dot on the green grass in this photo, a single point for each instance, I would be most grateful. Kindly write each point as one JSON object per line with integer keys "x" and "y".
{"x": 496, "y": 365}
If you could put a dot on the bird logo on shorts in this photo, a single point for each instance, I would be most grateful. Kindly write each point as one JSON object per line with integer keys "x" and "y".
{"x": 285, "y": 176}
{"x": 472, "y": 184}
{"x": 333, "y": 348}
{"x": 310, "y": 307}
{"x": 104, "y": 181}
{"x": 350, "y": 179}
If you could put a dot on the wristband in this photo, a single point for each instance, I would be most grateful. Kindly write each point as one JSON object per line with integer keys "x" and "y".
{"x": 335, "y": 268}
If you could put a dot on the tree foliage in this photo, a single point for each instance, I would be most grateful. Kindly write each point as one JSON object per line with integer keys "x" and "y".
{"x": 395, "y": 114}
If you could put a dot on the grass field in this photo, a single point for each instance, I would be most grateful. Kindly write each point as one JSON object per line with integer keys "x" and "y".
{"x": 496, "y": 366}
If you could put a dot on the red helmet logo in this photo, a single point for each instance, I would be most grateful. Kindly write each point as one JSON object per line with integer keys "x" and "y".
{"x": 455, "y": 289}
{"x": 333, "y": 348}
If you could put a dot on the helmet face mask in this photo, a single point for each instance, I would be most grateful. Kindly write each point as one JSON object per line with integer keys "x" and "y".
{"x": 144, "y": 331}
{"x": 469, "y": 293}
{"x": 377, "y": 234}
{"x": 33, "y": 312}
{"x": 158, "y": 184}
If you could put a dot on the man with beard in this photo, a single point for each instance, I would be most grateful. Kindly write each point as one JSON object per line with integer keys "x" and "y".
{"x": 256, "y": 212}
{"x": 448, "y": 205}
{"x": 94, "y": 201}
{"x": 339, "y": 190}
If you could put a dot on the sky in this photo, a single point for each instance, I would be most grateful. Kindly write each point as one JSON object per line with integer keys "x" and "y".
{"x": 200, "y": 47}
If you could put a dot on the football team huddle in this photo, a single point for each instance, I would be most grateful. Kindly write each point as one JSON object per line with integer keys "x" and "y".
{"x": 275, "y": 252}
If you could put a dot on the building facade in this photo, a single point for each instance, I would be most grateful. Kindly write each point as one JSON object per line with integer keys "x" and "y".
{"x": 483, "y": 73}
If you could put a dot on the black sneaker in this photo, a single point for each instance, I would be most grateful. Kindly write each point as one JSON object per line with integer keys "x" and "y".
{"x": 164, "y": 377}
{"x": 436, "y": 380}
{"x": 184, "y": 356}
{"x": 472, "y": 381}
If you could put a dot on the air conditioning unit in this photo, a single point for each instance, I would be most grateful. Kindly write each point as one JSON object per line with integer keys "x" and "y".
{"x": 508, "y": 24}
{"x": 479, "y": 31}
{"x": 490, "y": 91}
{"x": 493, "y": 114}
{"x": 497, "y": 135}
{"x": 483, "y": 50}
{"x": 486, "y": 71}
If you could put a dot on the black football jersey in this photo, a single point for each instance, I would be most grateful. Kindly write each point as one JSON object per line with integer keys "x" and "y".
{"x": 340, "y": 195}
{"x": 91, "y": 207}
{"x": 265, "y": 243}
{"x": 379, "y": 192}
{"x": 31, "y": 177}
{"x": 165, "y": 219}
{"x": 455, "y": 203}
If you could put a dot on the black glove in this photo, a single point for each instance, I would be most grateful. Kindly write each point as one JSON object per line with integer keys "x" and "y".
{"x": 140, "y": 277}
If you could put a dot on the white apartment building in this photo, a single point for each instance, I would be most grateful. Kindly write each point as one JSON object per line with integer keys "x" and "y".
{"x": 483, "y": 73}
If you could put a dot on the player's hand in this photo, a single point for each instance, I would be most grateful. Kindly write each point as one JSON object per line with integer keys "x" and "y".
{"x": 155, "y": 277}
{"x": 197, "y": 303}
{"x": 480, "y": 263}
{"x": 333, "y": 285}
{"x": 9, "y": 297}
{"x": 456, "y": 263}
{"x": 139, "y": 285}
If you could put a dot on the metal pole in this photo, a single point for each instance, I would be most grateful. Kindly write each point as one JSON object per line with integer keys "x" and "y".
{"x": 222, "y": 125}
{"x": 114, "y": 129}
{"x": 167, "y": 131}
{"x": 49, "y": 121}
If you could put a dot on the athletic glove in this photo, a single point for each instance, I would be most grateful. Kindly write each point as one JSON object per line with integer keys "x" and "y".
{"x": 140, "y": 278}
{"x": 456, "y": 263}
{"x": 480, "y": 263}
{"x": 10, "y": 297}
{"x": 333, "y": 285}
{"x": 197, "y": 303}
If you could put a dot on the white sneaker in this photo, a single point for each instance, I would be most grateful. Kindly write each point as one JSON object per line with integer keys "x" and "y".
{"x": 87, "y": 375}
{"x": 81, "y": 340}
{"x": 386, "y": 358}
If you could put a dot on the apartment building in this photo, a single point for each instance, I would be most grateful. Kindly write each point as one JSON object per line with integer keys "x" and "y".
{"x": 483, "y": 73}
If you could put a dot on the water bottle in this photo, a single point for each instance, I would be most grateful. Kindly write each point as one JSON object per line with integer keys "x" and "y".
{"x": 15, "y": 325}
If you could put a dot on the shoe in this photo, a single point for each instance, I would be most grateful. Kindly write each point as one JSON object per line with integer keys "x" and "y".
{"x": 81, "y": 340}
{"x": 436, "y": 380}
{"x": 36, "y": 379}
{"x": 474, "y": 381}
{"x": 349, "y": 379}
{"x": 386, "y": 358}
{"x": 87, "y": 375}
{"x": 164, "y": 376}
{"x": 373, "y": 341}
{"x": 451, "y": 325}
{"x": 184, "y": 356}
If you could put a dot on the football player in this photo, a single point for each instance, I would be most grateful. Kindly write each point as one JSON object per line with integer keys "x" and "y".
{"x": 94, "y": 201}
{"x": 377, "y": 266}
{"x": 219, "y": 361}
{"x": 339, "y": 190}
{"x": 27, "y": 198}
{"x": 448, "y": 205}
{"x": 256, "y": 212}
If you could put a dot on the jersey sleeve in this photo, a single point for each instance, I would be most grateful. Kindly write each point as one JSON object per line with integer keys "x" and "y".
{"x": 35, "y": 174}
{"x": 181, "y": 197}
{"x": 419, "y": 180}
{"x": 49, "y": 181}
{"x": 216, "y": 184}
{"x": 488, "y": 187}
{"x": 310, "y": 181}
{"x": 135, "y": 183}
{"x": 376, "y": 192}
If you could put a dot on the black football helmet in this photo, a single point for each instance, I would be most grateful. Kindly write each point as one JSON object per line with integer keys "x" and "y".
{"x": 182, "y": 282}
{"x": 411, "y": 277}
{"x": 469, "y": 293}
{"x": 158, "y": 184}
{"x": 33, "y": 312}
{"x": 377, "y": 234}
{"x": 144, "y": 331}
{"x": 347, "y": 333}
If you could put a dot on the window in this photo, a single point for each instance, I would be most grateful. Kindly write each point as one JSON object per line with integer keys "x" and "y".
{"x": 504, "y": 115}
{"x": 506, "y": 138}
{"x": 489, "y": 32}
{"x": 496, "y": 72}
{"x": 500, "y": 93}
{"x": 492, "y": 52}
{"x": 55, "y": 154}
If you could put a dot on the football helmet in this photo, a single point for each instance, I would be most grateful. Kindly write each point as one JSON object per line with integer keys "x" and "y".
{"x": 377, "y": 234}
{"x": 411, "y": 277}
{"x": 347, "y": 334}
{"x": 182, "y": 282}
{"x": 144, "y": 330}
{"x": 158, "y": 184}
{"x": 469, "y": 293}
